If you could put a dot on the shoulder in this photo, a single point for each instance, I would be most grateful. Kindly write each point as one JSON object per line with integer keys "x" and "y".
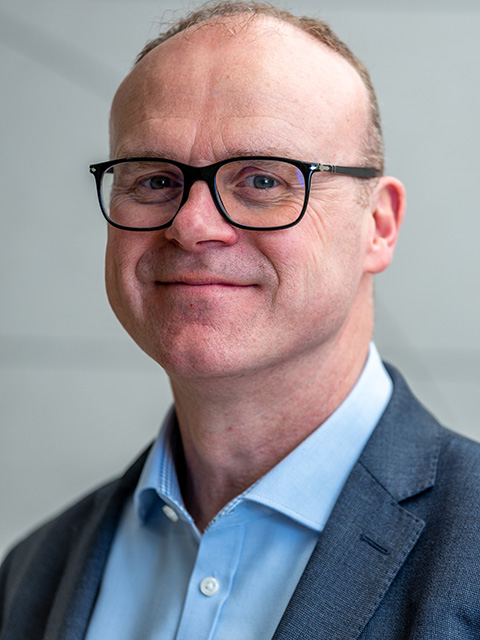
{"x": 407, "y": 411}
{"x": 64, "y": 524}
{"x": 432, "y": 474}
{"x": 38, "y": 561}
{"x": 457, "y": 484}
{"x": 410, "y": 452}
{"x": 46, "y": 549}
{"x": 432, "y": 470}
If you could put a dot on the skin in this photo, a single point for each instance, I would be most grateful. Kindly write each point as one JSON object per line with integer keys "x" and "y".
{"x": 262, "y": 334}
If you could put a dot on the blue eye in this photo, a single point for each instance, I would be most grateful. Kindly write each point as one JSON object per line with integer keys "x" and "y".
{"x": 261, "y": 182}
{"x": 158, "y": 182}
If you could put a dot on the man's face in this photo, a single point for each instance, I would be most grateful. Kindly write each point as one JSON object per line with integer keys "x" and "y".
{"x": 204, "y": 298}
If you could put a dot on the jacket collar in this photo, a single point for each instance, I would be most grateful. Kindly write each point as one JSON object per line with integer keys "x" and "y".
{"x": 402, "y": 453}
{"x": 369, "y": 534}
{"x": 365, "y": 542}
{"x": 89, "y": 548}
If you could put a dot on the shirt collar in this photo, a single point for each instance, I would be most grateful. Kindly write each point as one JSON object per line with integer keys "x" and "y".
{"x": 303, "y": 486}
{"x": 159, "y": 477}
{"x": 306, "y": 484}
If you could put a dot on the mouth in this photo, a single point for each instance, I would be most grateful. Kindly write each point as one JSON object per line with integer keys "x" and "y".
{"x": 214, "y": 289}
{"x": 208, "y": 281}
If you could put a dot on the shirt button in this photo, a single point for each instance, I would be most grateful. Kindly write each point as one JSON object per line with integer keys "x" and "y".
{"x": 209, "y": 586}
{"x": 170, "y": 513}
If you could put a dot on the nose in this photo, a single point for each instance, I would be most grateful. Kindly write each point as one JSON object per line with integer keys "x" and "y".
{"x": 198, "y": 223}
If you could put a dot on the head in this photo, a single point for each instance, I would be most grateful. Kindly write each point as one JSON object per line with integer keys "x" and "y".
{"x": 318, "y": 29}
{"x": 202, "y": 297}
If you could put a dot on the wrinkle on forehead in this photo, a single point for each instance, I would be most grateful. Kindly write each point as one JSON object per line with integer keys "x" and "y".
{"x": 200, "y": 148}
{"x": 222, "y": 73}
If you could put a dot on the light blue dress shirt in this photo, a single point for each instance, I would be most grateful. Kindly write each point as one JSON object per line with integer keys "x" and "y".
{"x": 164, "y": 580}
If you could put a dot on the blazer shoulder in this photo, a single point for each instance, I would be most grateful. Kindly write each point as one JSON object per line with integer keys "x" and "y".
{"x": 410, "y": 451}
{"x": 459, "y": 469}
{"x": 41, "y": 556}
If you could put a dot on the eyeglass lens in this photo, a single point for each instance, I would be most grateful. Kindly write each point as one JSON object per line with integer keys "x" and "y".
{"x": 255, "y": 193}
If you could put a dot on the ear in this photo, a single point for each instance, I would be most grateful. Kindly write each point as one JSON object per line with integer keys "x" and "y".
{"x": 387, "y": 211}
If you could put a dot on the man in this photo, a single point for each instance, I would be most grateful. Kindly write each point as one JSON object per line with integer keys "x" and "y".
{"x": 297, "y": 489}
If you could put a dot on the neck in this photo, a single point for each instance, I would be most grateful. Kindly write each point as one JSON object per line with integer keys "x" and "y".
{"x": 235, "y": 430}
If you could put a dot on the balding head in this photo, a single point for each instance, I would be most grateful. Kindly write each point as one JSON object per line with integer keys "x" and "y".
{"x": 245, "y": 11}
{"x": 239, "y": 68}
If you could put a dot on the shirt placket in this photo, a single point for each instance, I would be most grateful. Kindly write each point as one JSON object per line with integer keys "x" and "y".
{"x": 211, "y": 580}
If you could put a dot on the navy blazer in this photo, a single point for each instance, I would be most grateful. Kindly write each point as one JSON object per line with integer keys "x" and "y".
{"x": 398, "y": 559}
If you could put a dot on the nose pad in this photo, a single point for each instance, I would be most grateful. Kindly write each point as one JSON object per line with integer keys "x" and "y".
{"x": 198, "y": 219}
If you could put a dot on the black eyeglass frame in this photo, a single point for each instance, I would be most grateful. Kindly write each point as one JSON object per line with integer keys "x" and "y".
{"x": 208, "y": 175}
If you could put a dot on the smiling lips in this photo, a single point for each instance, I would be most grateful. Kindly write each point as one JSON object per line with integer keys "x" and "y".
{"x": 201, "y": 282}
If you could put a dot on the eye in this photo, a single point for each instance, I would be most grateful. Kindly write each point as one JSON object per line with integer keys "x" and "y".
{"x": 261, "y": 182}
{"x": 157, "y": 182}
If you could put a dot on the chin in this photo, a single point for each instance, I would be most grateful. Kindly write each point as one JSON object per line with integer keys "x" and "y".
{"x": 198, "y": 354}
{"x": 199, "y": 365}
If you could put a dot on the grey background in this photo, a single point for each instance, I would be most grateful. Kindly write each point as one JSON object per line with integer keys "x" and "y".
{"x": 78, "y": 399}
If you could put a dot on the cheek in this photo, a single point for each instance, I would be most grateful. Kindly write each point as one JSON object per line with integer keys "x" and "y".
{"x": 123, "y": 252}
{"x": 319, "y": 262}
{"x": 339, "y": 230}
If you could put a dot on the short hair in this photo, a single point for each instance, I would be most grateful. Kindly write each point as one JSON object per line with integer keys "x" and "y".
{"x": 213, "y": 11}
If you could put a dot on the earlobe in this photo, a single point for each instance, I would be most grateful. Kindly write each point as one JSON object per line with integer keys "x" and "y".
{"x": 388, "y": 209}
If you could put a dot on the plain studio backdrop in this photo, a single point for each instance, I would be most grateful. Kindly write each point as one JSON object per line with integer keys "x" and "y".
{"x": 78, "y": 398}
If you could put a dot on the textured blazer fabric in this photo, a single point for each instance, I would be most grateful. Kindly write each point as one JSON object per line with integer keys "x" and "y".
{"x": 399, "y": 558}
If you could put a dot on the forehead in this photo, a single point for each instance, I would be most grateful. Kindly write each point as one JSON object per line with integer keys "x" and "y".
{"x": 261, "y": 80}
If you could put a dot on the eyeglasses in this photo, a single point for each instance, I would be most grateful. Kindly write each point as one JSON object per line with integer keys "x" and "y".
{"x": 256, "y": 192}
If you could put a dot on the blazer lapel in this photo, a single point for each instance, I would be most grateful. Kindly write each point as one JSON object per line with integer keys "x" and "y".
{"x": 365, "y": 542}
{"x": 369, "y": 534}
{"x": 79, "y": 585}
{"x": 359, "y": 553}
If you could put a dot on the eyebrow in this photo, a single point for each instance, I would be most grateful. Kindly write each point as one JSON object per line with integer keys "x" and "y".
{"x": 237, "y": 153}
{"x": 281, "y": 152}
